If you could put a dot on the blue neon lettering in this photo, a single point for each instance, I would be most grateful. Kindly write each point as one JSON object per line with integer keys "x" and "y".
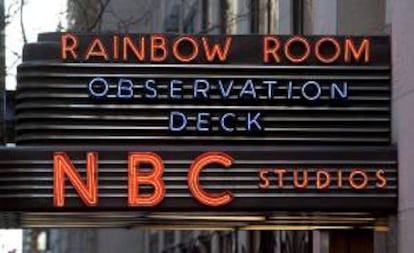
{"x": 223, "y": 122}
{"x": 341, "y": 91}
{"x": 248, "y": 89}
{"x": 177, "y": 122}
{"x": 203, "y": 121}
{"x": 253, "y": 121}
{"x": 125, "y": 89}
{"x": 305, "y": 88}
{"x": 176, "y": 92}
{"x": 225, "y": 92}
{"x": 150, "y": 88}
{"x": 202, "y": 90}
{"x": 92, "y": 88}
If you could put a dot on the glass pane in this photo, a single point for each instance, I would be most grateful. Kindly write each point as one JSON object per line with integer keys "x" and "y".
{"x": 352, "y": 17}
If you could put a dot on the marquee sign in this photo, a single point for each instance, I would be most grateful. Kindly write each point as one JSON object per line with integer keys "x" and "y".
{"x": 240, "y": 90}
{"x": 201, "y": 123}
{"x": 195, "y": 179}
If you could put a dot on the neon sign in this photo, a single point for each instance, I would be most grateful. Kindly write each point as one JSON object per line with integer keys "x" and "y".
{"x": 88, "y": 191}
{"x": 185, "y": 49}
{"x": 158, "y": 48}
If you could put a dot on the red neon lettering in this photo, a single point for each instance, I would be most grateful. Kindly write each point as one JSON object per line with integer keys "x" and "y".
{"x": 357, "y": 54}
{"x": 352, "y": 181}
{"x": 128, "y": 45}
{"x": 324, "y": 58}
{"x": 137, "y": 177}
{"x": 69, "y": 44}
{"x": 296, "y": 58}
{"x": 217, "y": 51}
{"x": 96, "y": 49}
{"x": 271, "y": 51}
{"x": 158, "y": 44}
{"x": 209, "y": 199}
{"x": 63, "y": 166}
{"x": 185, "y": 58}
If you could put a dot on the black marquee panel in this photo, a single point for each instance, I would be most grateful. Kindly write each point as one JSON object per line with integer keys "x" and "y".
{"x": 26, "y": 176}
{"x": 54, "y": 107}
{"x": 55, "y": 111}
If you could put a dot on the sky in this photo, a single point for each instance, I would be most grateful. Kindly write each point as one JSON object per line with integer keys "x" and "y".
{"x": 38, "y": 16}
{"x": 11, "y": 241}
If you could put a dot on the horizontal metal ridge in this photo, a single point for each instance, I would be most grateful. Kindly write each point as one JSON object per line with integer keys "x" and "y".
{"x": 193, "y": 220}
{"x": 108, "y": 116}
{"x": 88, "y": 127}
{"x": 171, "y": 187}
{"x": 29, "y": 64}
{"x": 122, "y": 168}
{"x": 275, "y": 99}
{"x": 30, "y": 105}
{"x": 116, "y": 179}
{"x": 37, "y": 74}
{"x": 28, "y": 137}
{"x": 253, "y": 160}
{"x": 351, "y": 153}
{"x": 33, "y": 86}
{"x": 239, "y": 195}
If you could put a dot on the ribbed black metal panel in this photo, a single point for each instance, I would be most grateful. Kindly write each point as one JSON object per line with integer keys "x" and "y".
{"x": 211, "y": 220}
{"x": 9, "y": 220}
{"x": 26, "y": 179}
{"x": 53, "y": 105}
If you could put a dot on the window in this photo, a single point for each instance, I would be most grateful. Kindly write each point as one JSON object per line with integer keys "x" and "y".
{"x": 169, "y": 238}
{"x": 190, "y": 21}
{"x": 153, "y": 244}
{"x": 172, "y": 22}
{"x": 351, "y": 17}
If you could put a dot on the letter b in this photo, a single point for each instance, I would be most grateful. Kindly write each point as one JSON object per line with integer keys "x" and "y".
{"x": 137, "y": 177}
{"x": 125, "y": 88}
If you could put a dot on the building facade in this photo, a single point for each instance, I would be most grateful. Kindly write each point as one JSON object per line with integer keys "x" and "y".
{"x": 338, "y": 17}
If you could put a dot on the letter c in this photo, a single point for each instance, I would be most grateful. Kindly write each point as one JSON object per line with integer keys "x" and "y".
{"x": 223, "y": 122}
{"x": 209, "y": 199}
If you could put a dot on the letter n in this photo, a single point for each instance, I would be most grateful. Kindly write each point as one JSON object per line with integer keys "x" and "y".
{"x": 62, "y": 166}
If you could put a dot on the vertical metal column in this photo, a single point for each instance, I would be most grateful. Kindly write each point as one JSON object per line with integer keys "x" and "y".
{"x": 2, "y": 73}
{"x": 269, "y": 17}
{"x": 205, "y": 12}
{"x": 297, "y": 16}
{"x": 224, "y": 6}
{"x": 236, "y": 240}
